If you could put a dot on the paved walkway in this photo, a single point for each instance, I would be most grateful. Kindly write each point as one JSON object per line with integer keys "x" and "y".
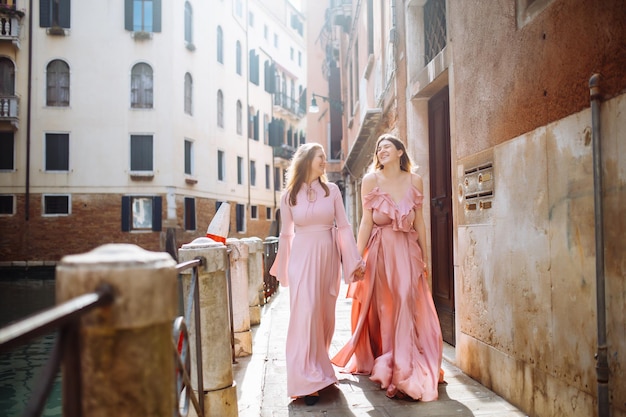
{"x": 261, "y": 380}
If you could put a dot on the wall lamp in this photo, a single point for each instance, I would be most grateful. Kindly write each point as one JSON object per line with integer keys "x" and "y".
{"x": 336, "y": 104}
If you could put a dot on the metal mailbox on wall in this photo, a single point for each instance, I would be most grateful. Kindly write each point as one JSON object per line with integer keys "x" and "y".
{"x": 476, "y": 189}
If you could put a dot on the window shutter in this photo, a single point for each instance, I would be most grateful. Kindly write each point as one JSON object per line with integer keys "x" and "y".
{"x": 156, "y": 213}
{"x": 64, "y": 14}
{"x": 156, "y": 24}
{"x": 256, "y": 126}
{"x": 44, "y": 14}
{"x": 125, "y": 214}
{"x": 128, "y": 15}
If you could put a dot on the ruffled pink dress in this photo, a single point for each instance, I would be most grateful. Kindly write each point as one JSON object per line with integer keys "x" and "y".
{"x": 315, "y": 242}
{"x": 396, "y": 335}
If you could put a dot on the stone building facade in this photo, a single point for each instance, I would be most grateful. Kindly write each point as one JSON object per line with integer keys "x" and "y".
{"x": 493, "y": 101}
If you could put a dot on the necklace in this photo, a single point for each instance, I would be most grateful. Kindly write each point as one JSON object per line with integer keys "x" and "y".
{"x": 311, "y": 194}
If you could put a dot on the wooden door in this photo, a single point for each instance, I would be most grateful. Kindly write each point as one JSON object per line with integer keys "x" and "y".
{"x": 441, "y": 212}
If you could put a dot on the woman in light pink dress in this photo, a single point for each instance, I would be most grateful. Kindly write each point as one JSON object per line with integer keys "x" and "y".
{"x": 396, "y": 336}
{"x": 315, "y": 243}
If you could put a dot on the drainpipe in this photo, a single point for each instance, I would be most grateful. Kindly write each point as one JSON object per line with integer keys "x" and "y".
{"x": 30, "y": 72}
{"x": 602, "y": 366}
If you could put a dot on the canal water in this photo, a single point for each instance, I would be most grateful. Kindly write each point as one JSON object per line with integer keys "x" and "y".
{"x": 20, "y": 367}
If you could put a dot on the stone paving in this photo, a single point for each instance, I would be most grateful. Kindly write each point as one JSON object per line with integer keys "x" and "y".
{"x": 261, "y": 380}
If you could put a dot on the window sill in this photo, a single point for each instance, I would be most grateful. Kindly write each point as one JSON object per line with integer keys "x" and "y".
{"x": 190, "y": 47}
{"x": 57, "y": 31}
{"x": 142, "y": 176}
{"x": 141, "y": 36}
{"x": 190, "y": 180}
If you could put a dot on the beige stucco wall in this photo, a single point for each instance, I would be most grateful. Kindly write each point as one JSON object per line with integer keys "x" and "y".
{"x": 525, "y": 274}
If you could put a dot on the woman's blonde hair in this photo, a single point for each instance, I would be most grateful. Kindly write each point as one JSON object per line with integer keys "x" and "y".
{"x": 300, "y": 168}
{"x": 405, "y": 161}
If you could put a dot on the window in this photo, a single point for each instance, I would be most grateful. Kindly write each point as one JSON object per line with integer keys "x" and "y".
{"x": 267, "y": 176}
{"x": 141, "y": 86}
{"x": 253, "y": 63}
{"x": 268, "y": 213}
{"x": 7, "y": 151}
{"x": 54, "y": 13}
{"x": 292, "y": 53}
{"x": 57, "y": 152}
{"x": 266, "y": 129}
{"x": 221, "y": 166}
{"x": 239, "y": 8}
{"x": 56, "y": 205}
{"x": 251, "y": 19}
{"x": 275, "y": 40}
{"x": 254, "y": 212}
{"x": 190, "y": 213}
{"x": 142, "y": 15}
{"x": 266, "y": 32}
{"x": 220, "y": 108}
{"x": 239, "y": 170}
{"x": 220, "y": 45}
{"x": 299, "y": 58}
{"x": 238, "y": 53}
{"x": 7, "y": 205}
{"x": 239, "y": 118}
{"x": 188, "y": 157}
{"x": 141, "y": 213}
{"x": 277, "y": 181}
{"x": 253, "y": 173}
{"x": 141, "y": 152}
{"x": 58, "y": 84}
{"x": 240, "y": 212}
{"x": 188, "y": 24}
{"x": 188, "y": 94}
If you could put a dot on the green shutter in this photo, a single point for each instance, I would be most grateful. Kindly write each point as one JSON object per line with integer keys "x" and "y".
{"x": 128, "y": 15}
{"x": 64, "y": 14}
{"x": 44, "y": 14}
{"x": 156, "y": 8}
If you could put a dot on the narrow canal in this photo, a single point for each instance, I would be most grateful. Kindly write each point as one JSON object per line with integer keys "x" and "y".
{"x": 20, "y": 367}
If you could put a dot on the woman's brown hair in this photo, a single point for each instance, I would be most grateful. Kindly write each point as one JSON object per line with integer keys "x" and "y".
{"x": 405, "y": 160}
{"x": 299, "y": 170}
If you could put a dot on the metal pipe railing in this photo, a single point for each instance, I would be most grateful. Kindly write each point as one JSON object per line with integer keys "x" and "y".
{"x": 65, "y": 318}
{"x": 602, "y": 364}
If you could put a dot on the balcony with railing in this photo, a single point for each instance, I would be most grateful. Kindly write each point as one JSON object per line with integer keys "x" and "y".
{"x": 10, "y": 24}
{"x": 284, "y": 103}
{"x": 9, "y": 108}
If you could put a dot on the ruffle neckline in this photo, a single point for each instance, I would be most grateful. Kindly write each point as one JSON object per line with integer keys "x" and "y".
{"x": 399, "y": 212}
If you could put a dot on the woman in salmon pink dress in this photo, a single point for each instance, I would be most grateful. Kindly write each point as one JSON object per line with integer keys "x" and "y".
{"x": 396, "y": 336}
{"x": 315, "y": 244}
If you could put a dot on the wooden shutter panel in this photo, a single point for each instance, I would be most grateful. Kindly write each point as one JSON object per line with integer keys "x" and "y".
{"x": 156, "y": 213}
{"x": 125, "y": 214}
{"x": 156, "y": 7}
{"x": 44, "y": 14}
{"x": 128, "y": 15}
{"x": 256, "y": 126}
{"x": 64, "y": 14}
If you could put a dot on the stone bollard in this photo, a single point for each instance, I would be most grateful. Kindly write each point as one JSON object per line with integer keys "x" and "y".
{"x": 126, "y": 351}
{"x": 220, "y": 396}
{"x": 255, "y": 278}
{"x": 239, "y": 297}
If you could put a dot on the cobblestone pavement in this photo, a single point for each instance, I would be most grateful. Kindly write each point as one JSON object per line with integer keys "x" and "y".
{"x": 261, "y": 380}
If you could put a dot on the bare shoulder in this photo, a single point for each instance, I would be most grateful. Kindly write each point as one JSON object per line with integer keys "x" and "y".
{"x": 368, "y": 183}
{"x": 417, "y": 182}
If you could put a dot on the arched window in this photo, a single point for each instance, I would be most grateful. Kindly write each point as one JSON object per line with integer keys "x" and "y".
{"x": 239, "y": 118}
{"x": 220, "y": 108}
{"x": 58, "y": 83}
{"x": 188, "y": 94}
{"x": 238, "y": 52}
{"x": 141, "y": 86}
{"x": 188, "y": 24}
{"x": 220, "y": 45}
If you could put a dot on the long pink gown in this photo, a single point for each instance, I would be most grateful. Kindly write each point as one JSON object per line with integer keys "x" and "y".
{"x": 315, "y": 243}
{"x": 396, "y": 333}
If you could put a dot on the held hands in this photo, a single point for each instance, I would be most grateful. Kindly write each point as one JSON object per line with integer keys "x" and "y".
{"x": 359, "y": 274}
